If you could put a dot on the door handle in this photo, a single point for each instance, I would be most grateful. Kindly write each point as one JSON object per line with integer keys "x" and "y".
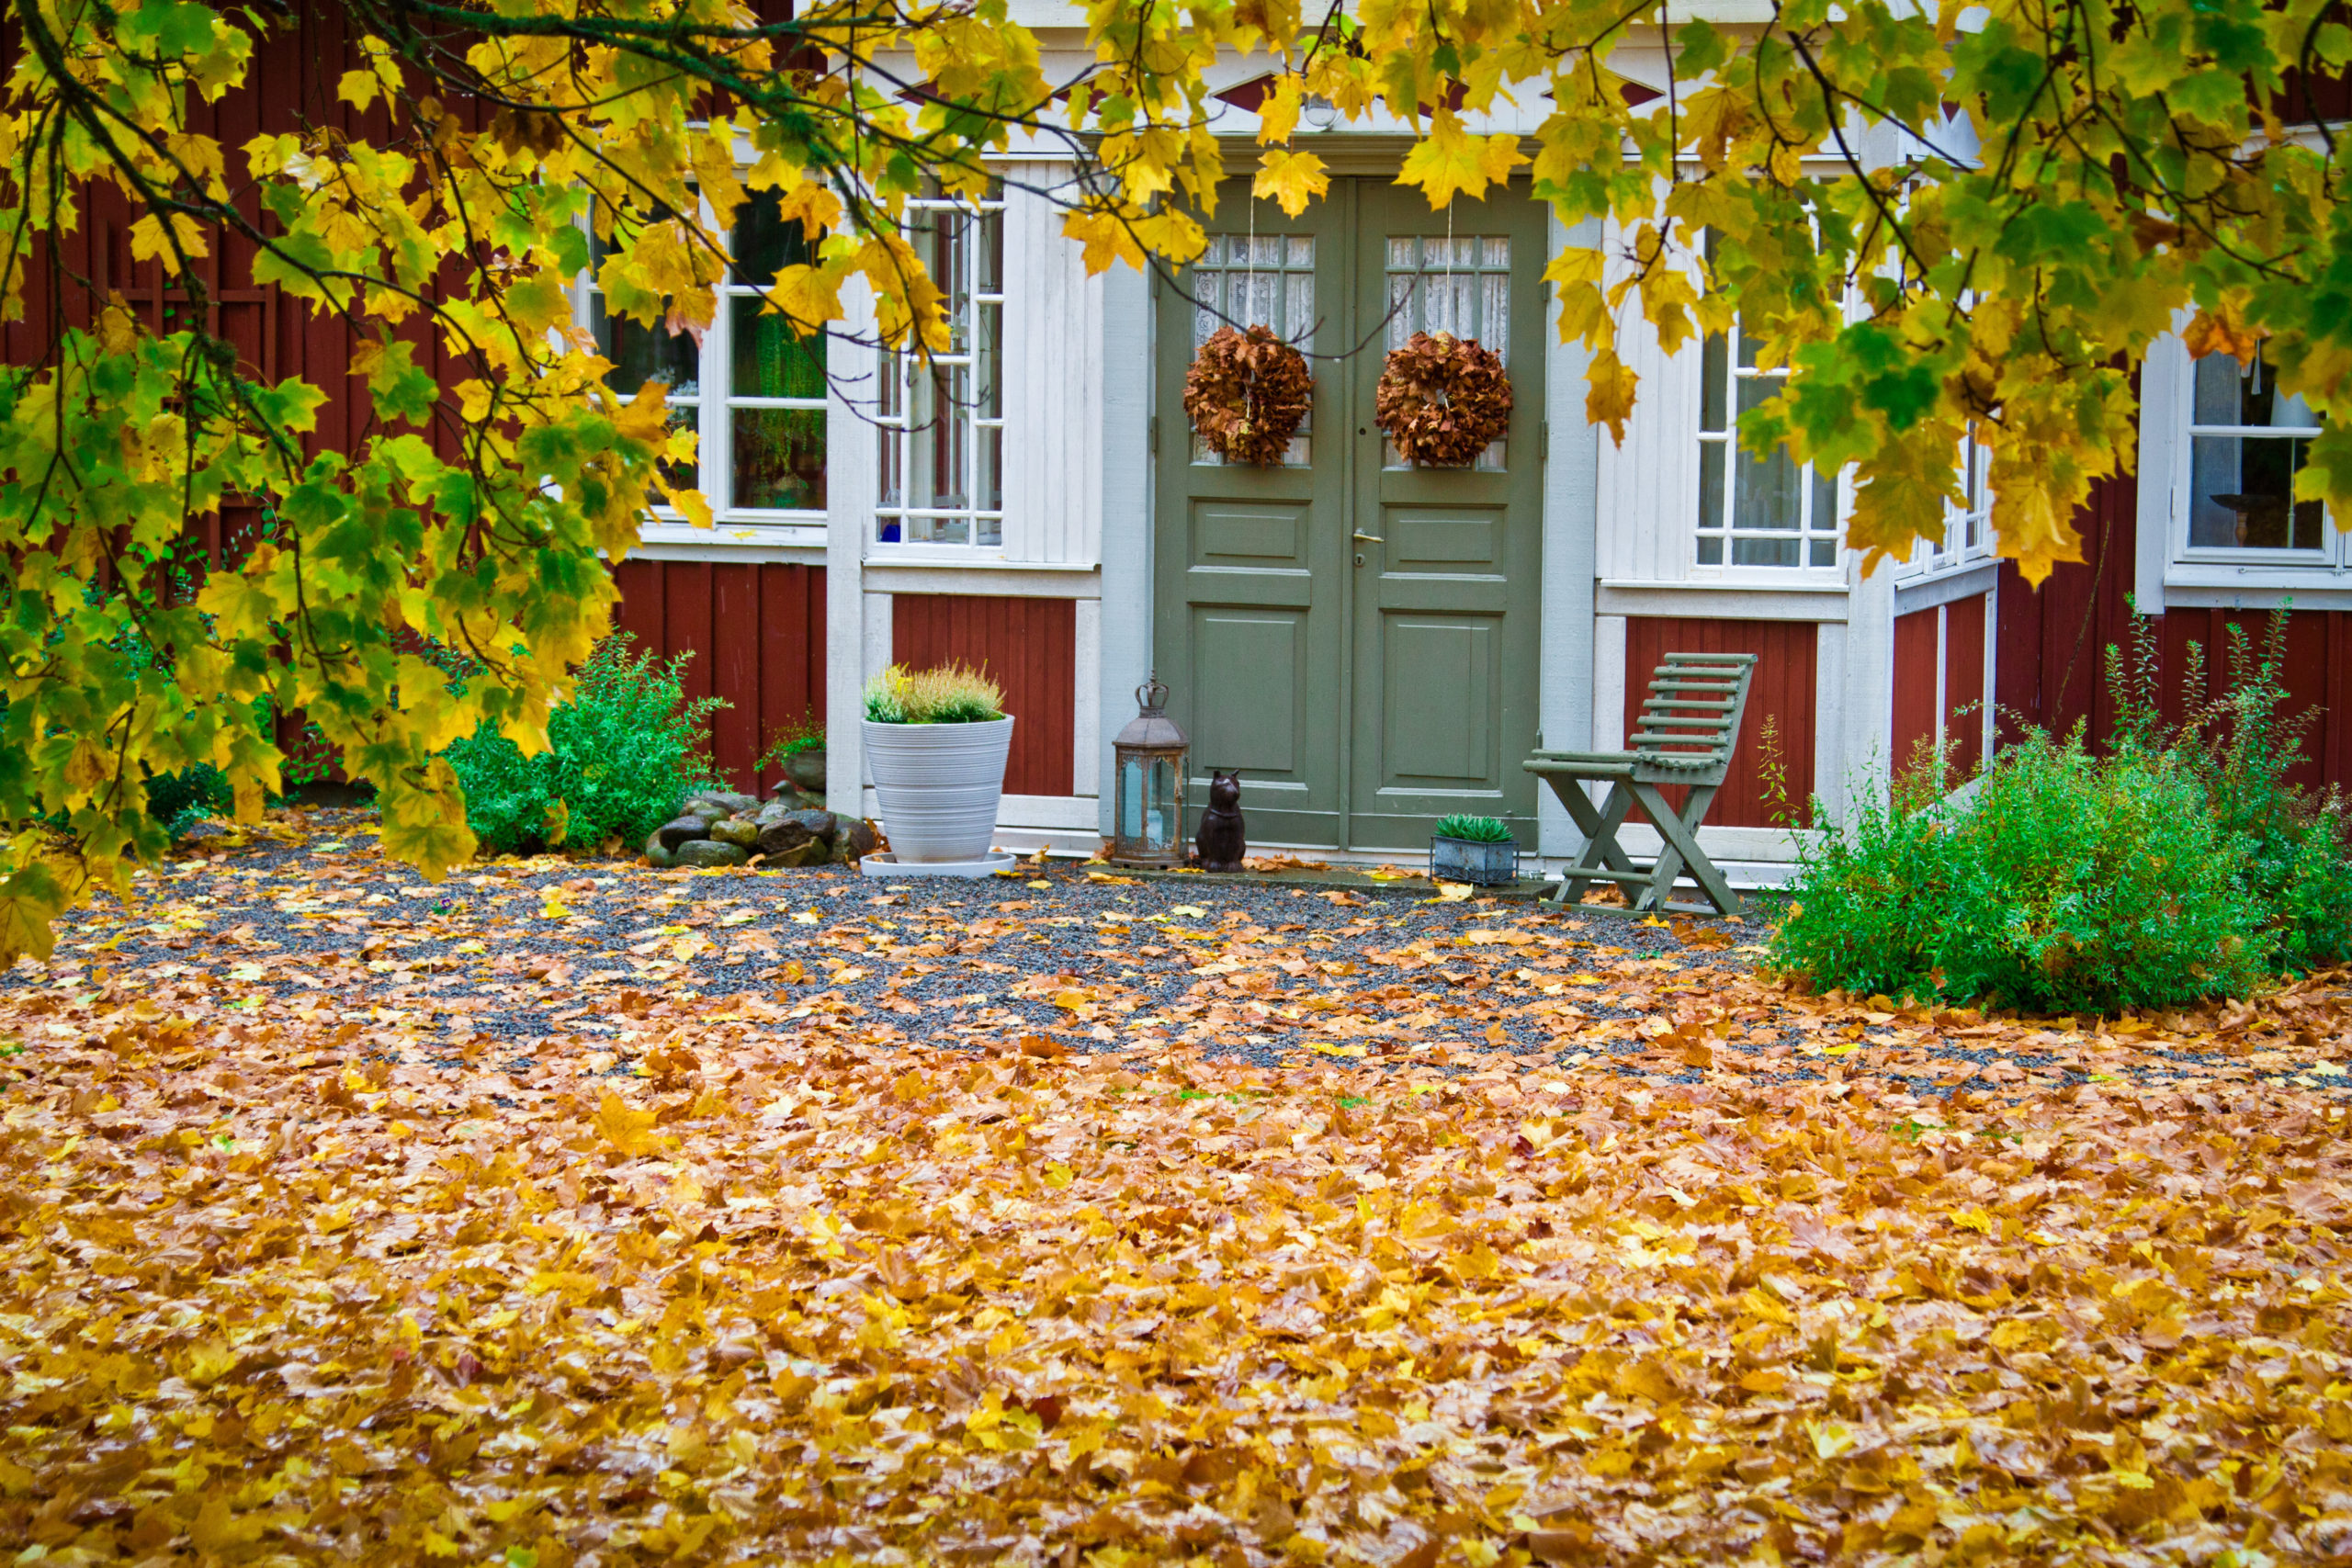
{"x": 1368, "y": 539}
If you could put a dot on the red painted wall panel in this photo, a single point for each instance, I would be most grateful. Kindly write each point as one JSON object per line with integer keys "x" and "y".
{"x": 757, "y": 635}
{"x": 2052, "y": 644}
{"x": 1029, "y": 646}
{"x": 1964, "y": 684}
{"x": 1781, "y": 693}
{"x": 1914, "y": 687}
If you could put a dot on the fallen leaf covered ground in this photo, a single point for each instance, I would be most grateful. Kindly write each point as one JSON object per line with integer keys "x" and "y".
{"x": 576, "y": 1213}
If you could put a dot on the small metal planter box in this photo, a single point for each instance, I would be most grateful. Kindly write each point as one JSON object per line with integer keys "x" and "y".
{"x": 1477, "y": 862}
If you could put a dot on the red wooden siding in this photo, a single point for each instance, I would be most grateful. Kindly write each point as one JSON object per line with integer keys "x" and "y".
{"x": 2052, "y": 649}
{"x": 757, "y": 633}
{"x": 1914, "y": 686}
{"x": 1027, "y": 645}
{"x": 1782, "y": 694}
{"x": 1958, "y": 724}
{"x": 1964, "y": 684}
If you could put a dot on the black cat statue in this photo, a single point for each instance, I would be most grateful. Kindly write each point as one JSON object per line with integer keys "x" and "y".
{"x": 1222, "y": 844}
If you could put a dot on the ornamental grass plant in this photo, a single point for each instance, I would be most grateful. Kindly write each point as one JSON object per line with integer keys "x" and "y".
{"x": 950, "y": 694}
{"x": 2178, "y": 864}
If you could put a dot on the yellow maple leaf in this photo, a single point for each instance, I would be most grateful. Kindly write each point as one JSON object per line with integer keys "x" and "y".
{"x": 1450, "y": 160}
{"x": 625, "y": 1127}
{"x": 148, "y": 242}
{"x": 1292, "y": 179}
{"x": 1106, "y": 240}
{"x": 1610, "y": 384}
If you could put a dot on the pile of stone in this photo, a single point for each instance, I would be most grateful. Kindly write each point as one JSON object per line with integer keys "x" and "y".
{"x": 717, "y": 829}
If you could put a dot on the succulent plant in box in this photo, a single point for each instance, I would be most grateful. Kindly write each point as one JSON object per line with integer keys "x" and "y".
{"x": 1476, "y": 850}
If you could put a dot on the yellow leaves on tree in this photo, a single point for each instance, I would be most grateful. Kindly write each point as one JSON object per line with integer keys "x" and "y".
{"x": 1449, "y": 161}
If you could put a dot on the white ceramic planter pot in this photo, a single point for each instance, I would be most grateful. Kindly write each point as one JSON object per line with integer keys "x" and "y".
{"x": 939, "y": 785}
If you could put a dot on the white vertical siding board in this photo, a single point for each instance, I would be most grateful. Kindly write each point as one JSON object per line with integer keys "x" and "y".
{"x": 1831, "y": 649}
{"x": 1563, "y": 700}
{"x": 1052, "y": 326}
{"x": 1087, "y": 714}
{"x": 853, "y": 457}
{"x": 2165, "y": 394}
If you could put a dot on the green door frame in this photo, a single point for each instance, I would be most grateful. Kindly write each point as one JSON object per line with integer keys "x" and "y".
{"x": 1272, "y": 637}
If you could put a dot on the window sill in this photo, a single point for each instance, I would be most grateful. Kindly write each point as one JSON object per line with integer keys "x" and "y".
{"x": 1947, "y": 586}
{"x": 798, "y": 540}
{"x": 2205, "y": 585}
{"x": 1820, "y": 600}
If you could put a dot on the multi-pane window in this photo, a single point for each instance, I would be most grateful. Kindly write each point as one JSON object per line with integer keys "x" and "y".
{"x": 1458, "y": 284}
{"x": 1771, "y": 511}
{"x": 941, "y": 417}
{"x": 2247, "y": 441}
{"x": 753, "y": 389}
{"x": 1257, "y": 280}
{"x": 1968, "y": 526}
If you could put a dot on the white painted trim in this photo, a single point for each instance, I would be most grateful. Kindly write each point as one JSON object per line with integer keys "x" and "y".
{"x": 849, "y": 458}
{"x": 1608, "y": 683}
{"x": 716, "y": 546}
{"x": 874, "y": 657}
{"x": 1865, "y": 715}
{"x": 1832, "y": 649}
{"x": 1948, "y": 588}
{"x": 1571, "y": 473}
{"x": 2164, "y": 425}
{"x": 1641, "y": 840}
{"x": 1723, "y": 601}
{"x": 1086, "y": 772}
{"x": 1991, "y": 699}
{"x": 1124, "y": 624}
{"x": 1019, "y": 580}
{"x": 2197, "y": 596}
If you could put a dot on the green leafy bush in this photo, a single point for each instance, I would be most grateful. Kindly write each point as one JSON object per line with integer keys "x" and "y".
{"x": 623, "y": 751}
{"x": 2068, "y": 882}
{"x": 193, "y": 794}
{"x": 1475, "y": 829}
{"x": 2181, "y": 866}
{"x": 952, "y": 694}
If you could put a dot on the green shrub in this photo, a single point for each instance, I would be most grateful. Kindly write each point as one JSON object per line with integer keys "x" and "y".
{"x": 622, "y": 752}
{"x": 1476, "y": 829}
{"x": 952, "y": 694}
{"x": 2242, "y": 745}
{"x": 2181, "y": 866}
{"x": 2067, "y": 883}
{"x": 181, "y": 800}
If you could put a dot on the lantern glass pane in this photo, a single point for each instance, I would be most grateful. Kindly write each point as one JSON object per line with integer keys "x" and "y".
{"x": 1131, "y": 798}
{"x": 1162, "y": 812}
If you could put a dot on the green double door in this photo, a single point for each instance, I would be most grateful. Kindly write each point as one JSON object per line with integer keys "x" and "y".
{"x": 1356, "y": 635}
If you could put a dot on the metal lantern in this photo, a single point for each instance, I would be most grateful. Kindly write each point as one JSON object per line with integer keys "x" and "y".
{"x": 1149, "y": 802}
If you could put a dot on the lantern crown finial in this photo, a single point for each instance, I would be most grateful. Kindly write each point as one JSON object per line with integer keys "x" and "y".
{"x": 1151, "y": 697}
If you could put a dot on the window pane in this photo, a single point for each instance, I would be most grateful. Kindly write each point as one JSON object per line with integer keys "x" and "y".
{"x": 991, "y": 253}
{"x": 645, "y": 353}
{"x": 2219, "y": 386}
{"x": 765, "y": 242}
{"x": 1710, "y": 484}
{"x": 769, "y": 360}
{"x": 1713, "y": 374}
{"x": 1764, "y": 552}
{"x": 2242, "y": 495}
{"x": 1824, "y": 503}
{"x": 1765, "y": 491}
{"x": 1825, "y": 552}
{"x": 780, "y": 458}
{"x": 1710, "y": 552}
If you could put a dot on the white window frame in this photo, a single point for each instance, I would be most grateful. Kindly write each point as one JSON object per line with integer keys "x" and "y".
{"x": 1809, "y": 530}
{"x": 2169, "y": 570}
{"x": 1968, "y": 528}
{"x": 715, "y": 431}
{"x": 896, "y": 440}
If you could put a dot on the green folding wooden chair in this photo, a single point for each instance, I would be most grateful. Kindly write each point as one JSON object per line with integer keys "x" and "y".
{"x": 1689, "y": 723}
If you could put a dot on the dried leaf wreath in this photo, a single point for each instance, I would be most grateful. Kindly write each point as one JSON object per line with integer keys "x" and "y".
{"x": 1246, "y": 393}
{"x": 1441, "y": 399}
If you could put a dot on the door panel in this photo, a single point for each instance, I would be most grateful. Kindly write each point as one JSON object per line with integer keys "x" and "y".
{"x": 1360, "y": 700}
{"x": 1248, "y": 565}
{"x": 1443, "y": 624}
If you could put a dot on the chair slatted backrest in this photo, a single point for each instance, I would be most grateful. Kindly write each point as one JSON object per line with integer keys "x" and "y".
{"x": 1690, "y": 721}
